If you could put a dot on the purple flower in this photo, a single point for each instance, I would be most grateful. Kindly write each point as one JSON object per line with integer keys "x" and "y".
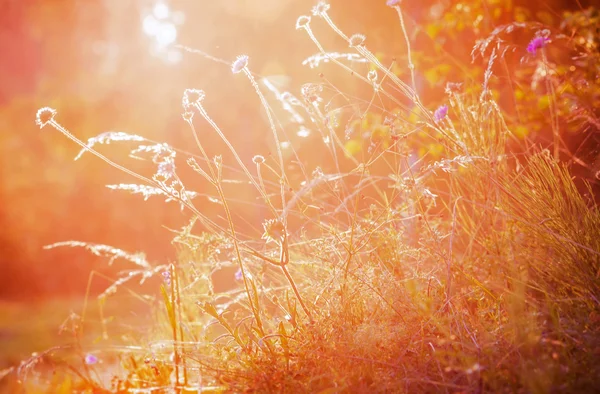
{"x": 238, "y": 274}
{"x": 536, "y": 43}
{"x": 440, "y": 113}
{"x": 90, "y": 359}
{"x": 393, "y": 3}
{"x": 167, "y": 277}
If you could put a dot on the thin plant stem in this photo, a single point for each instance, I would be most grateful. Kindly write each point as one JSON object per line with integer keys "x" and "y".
{"x": 296, "y": 292}
{"x": 205, "y": 115}
{"x": 275, "y": 136}
{"x": 411, "y": 65}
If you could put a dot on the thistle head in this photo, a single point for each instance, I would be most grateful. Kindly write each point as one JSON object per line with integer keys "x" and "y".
{"x": 187, "y": 115}
{"x": 191, "y": 97}
{"x": 166, "y": 169}
{"x": 537, "y": 43}
{"x": 357, "y": 40}
{"x": 240, "y": 63}
{"x": 321, "y": 8}
{"x": 440, "y": 113}
{"x": 274, "y": 230}
{"x": 302, "y": 22}
{"x": 44, "y": 116}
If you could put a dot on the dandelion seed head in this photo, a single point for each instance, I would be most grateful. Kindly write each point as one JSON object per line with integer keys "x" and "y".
{"x": 440, "y": 113}
{"x": 240, "y": 63}
{"x": 44, "y": 116}
{"x": 302, "y": 22}
{"x": 258, "y": 159}
{"x": 191, "y": 97}
{"x": 321, "y": 8}
{"x": 537, "y": 43}
{"x": 357, "y": 40}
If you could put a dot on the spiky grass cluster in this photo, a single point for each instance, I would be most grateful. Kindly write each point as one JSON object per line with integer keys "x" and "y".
{"x": 463, "y": 271}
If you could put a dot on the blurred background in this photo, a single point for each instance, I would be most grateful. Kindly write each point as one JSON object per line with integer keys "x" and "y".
{"x": 112, "y": 65}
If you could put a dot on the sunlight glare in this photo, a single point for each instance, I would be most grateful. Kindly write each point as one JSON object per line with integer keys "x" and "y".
{"x": 160, "y": 24}
{"x": 161, "y": 11}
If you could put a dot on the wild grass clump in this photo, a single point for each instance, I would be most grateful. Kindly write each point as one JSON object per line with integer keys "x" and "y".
{"x": 471, "y": 267}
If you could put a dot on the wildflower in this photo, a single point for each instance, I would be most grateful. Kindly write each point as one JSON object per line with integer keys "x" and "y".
{"x": 320, "y": 9}
{"x": 188, "y": 116}
{"x": 192, "y": 96}
{"x": 258, "y": 159}
{"x": 166, "y": 169}
{"x": 453, "y": 87}
{"x": 167, "y": 277}
{"x": 311, "y": 92}
{"x": 357, "y": 40}
{"x": 302, "y": 22}
{"x": 372, "y": 76}
{"x": 238, "y": 274}
{"x": 393, "y": 3}
{"x": 90, "y": 359}
{"x": 274, "y": 230}
{"x": 537, "y": 43}
{"x": 440, "y": 113}
{"x": 239, "y": 64}
{"x": 44, "y": 116}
